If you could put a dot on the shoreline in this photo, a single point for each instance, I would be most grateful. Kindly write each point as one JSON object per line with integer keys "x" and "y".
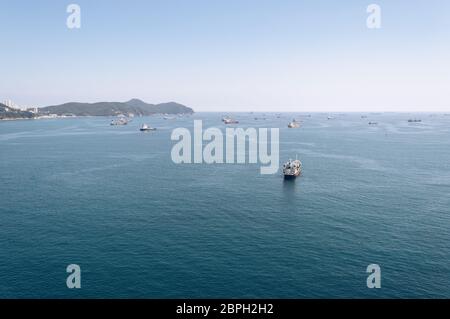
{"x": 58, "y": 117}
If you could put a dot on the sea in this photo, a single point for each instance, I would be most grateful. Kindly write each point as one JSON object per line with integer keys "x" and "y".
{"x": 111, "y": 200}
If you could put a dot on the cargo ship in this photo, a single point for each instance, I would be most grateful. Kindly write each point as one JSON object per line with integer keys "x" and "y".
{"x": 230, "y": 121}
{"x": 119, "y": 121}
{"x": 294, "y": 124}
{"x": 146, "y": 128}
{"x": 292, "y": 169}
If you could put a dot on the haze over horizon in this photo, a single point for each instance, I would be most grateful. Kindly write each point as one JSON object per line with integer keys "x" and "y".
{"x": 230, "y": 56}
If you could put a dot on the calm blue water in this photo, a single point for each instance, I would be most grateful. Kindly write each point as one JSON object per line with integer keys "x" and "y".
{"x": 111, "y": 200}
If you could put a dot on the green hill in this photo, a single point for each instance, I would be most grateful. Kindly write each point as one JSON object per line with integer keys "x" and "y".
{"x": 134, "y": 106}
{"x": 7, "y": 113}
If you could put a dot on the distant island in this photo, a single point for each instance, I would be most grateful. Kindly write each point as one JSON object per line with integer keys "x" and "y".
{"x": 134, "y": 107}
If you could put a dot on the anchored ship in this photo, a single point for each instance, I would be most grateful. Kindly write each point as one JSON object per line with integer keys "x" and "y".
{"x": 230, "y": 121}
{"x": 294, "y": 124}
{"x": 120, "y": 121}
{"x": 146, "y": 128}
{"x": 292, "y": 169}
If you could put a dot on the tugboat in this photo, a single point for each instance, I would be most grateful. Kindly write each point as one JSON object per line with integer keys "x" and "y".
{"x": 373, "y": 123}
{"x": 146, "y": 128}
{"x": 294, "y": 124}
{"x": 414, "y": 121}
{"x": 292, "y": 169}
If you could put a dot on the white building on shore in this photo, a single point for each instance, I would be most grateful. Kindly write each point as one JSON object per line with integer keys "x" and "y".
{"x": 9, "y": 104}
{"x": 33, "y": 110}
{"x": 15, "y": 106}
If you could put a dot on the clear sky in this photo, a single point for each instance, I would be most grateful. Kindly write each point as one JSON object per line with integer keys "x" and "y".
{"x": 233, "y": 55}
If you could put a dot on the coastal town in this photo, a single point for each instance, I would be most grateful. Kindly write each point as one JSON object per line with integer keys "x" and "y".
{"x": 12, "y": 111}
